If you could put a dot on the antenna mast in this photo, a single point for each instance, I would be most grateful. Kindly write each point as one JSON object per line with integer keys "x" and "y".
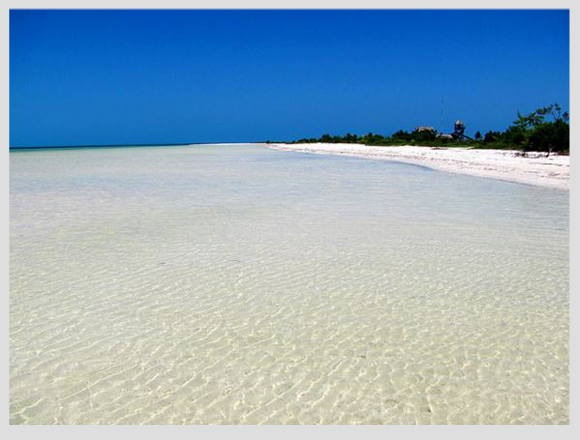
{"x": 441, "y": 121}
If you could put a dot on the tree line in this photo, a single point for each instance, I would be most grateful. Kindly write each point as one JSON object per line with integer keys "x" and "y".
{"x": 546, "y": 129}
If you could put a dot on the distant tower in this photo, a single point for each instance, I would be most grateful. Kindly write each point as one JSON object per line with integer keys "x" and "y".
{"x": 459, "y": 132}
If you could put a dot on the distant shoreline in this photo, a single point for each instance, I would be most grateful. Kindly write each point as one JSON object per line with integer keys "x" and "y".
{"x": 507, "y": 165}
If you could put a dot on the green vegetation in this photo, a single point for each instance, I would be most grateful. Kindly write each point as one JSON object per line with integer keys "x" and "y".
{"x": 546, "y": 129}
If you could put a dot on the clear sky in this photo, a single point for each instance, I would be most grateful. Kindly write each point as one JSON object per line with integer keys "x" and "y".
{"x": 130, "y": 77}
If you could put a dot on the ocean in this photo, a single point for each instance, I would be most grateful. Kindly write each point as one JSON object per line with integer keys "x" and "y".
{"x": 241, "y": 285}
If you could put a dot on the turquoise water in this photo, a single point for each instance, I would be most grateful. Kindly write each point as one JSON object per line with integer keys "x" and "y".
{"x": 237, "y": 284}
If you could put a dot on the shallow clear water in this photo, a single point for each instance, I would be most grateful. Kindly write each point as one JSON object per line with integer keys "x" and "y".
{"x": 244, "y": 285}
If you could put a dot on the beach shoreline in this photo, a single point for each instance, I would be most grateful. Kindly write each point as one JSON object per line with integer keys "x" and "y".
{"x": 171, "y": 273}
{"x": 536, "y": 169}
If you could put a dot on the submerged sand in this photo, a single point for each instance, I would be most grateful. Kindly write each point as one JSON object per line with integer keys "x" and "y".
{"x": 241, "y": 285}
{"x": 509, "y": 165}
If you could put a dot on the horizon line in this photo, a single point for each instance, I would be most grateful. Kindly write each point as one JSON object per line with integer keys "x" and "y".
{"x": 172, "y": 144}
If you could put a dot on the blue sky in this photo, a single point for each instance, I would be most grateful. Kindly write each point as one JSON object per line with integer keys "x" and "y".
{"x": 130, "y": 77}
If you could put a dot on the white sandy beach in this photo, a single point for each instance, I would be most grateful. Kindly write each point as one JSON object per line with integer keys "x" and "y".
{"x": 536, "y": 169}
